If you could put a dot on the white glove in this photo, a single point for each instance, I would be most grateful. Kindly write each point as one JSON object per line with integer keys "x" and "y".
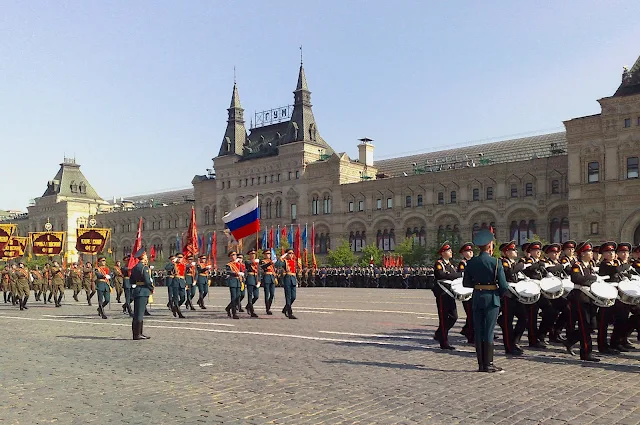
{"x": 526, "y": 266}
{"x": 193, "y": 263}
{"x": 107, "y": 277}
{"x": 152, "y": 267}
{"x": 258, "y": 285}
{"x": 256, "y": 261}
{"x": 209, "y": 267}
{"x": 241, "y": 274}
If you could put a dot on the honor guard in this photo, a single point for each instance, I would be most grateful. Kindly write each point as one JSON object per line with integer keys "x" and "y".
{"x": 243, "y": 283}
{"x": 21, "y": 277}
{"x": 289, "y": 282}
{"x": 126, "y": 286}
{"x": 141, "y": 290}
{"x": 57, "y": 281}
{"x": 486, "y": 276}
{"x": 204, "y": 272}
{"x": 103, "y": 279}
{"x": 234, "y": 276}
{"x": 582, "y": 274}
{"x": 268, "y": 280}
{"x": 118, "y": 280}
{"x": 511, "y": 308}
{"x": 252, "y": 267}
{"x": 447, "y": 312}
{"x": 170, "y": 272}
{"x": 190, "y": 280}
{"x": 467, "y": 330}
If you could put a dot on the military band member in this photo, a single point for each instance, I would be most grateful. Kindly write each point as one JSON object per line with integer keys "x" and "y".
{"x": 582, "y": 274}
{"x": 88, "y": 282}
{"x": 75, "y": 274}
{"x": 21, "y": 276}
{"x": 103, "y": 279}
{"x": 289, "y": 264}
{"x": 190, "y": 281}
{"x": 204, "y": 272}
{"x": 234, "y": 275}
{"x": 118, "y": 280}
{"x": 142, "y": 288}
{"x": 485, "y": 275}
{"x": 559, "y": 315}
{"x": 511, "y": 308}
{"x": 622, "y": 322}
{"x": 467, "y": 330}
{"x": 447, "y": 311}
{"x": 634, "y": 320}
{"x": 568, "y": 256}
{"x": 268, "y": 280}
{"x": 179, "y": 286}
{"x": 36, "y": 276}
{"x": 252, "y": 276}
{"x": 57, "y": 282}
{"x": 609, "y": 267}
{"x": 536, "y": 269}
{"x": 126, "y": 286}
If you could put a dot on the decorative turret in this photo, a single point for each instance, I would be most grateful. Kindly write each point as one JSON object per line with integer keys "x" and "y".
{"x": 235, "y": 134}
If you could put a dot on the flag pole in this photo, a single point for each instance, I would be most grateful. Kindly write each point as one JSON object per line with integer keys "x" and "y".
{"x": 258, "y": 230}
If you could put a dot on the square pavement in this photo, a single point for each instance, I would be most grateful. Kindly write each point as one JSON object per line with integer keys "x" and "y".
{"x": 354, "y": 356}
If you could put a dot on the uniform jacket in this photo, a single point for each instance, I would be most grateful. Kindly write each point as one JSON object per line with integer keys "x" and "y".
{"x": 141, "y": 277}
{"x": 485, "y": 270}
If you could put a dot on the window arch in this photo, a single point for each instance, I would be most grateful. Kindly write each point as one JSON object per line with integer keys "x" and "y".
{"x": 315, "y": 205}
{"x": 326, "y": 204}
{"x": 386, "y": 239}
{"x": 523, "y": 230}
{"x": 476, "y": 194}
{"x": 489, "y": 196}
{"x": 559, "y": 229}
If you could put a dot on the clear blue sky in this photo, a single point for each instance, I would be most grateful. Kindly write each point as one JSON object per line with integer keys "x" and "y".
{"x": 137, "y": 91}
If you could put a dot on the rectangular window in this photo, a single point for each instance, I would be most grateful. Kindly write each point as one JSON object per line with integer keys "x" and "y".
{"x": 528, "y": 189}
{"x": 593, "y": 172}
{"x": 240, "y": 183}
{"x": 265, "y": 179}
{"x": 271, "y": 178}
{"x": 258, "y": 180}
{"x": 632, "y": 167}
{"x": 297, "y": 174}
{"x": 454, "y": 197}
{"x": 555, "y": 187}
{"x": 514, "y": 191}
{"x": 407, "y": 201}
{"x": 294, "y": 211}
{"x": 419, "y": 200}
{"x": 389, "y": 202}
{"x": 351, "y": 206}
{"x": 378, "y": 204}
{"x": 222, "y": 187}
{"x": 476, "y": 194}
{"x": 326, "y": 206}
{"x": 360, "y": 205}
{"x": 489, "y": 193}
{"x": 246, "y": 182}
{"x": 594, "y": 228}
{"x": 278, "y": 179}
{"x": 314, "y": 207}
{"x": 252, "y": 179}
{"x": 440, "y": 197}
{"x": 627, "y": 122}
{"x": 289, "y": 175}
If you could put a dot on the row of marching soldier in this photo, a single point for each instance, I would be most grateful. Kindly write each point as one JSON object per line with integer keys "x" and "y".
{"x": 580, "y": 288}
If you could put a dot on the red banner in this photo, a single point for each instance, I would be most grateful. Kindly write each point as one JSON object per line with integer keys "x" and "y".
{"x": 15, "y": 248}
{"x": 6, "y": 230}
{"x": 47, "y": 243}
{"x": 91, "y": 240}
{"x": 190, "y": 247}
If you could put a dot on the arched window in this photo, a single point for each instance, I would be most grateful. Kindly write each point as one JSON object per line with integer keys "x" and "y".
{"x": 352, "y": 241}
{"x": 440, "y": 234}
{"x": 315, "y": 205}
{"x": 206, "y": 216}
{"x": 513, "y": 231}
{"x": 476, "y": 229}
{"x": 476, "y": 194}
{"x": 555, "y": 187}
{"x": 268, "y": 208}
{"x": 379, "y": 239}
{"x": 532, "y": 228}
{"x": 326, "y": 204}
{"x": 454, "y": 197}
{"x": 523, "y": 234}
{"x": 386, "y": 240}
{"x": 363, "y": 240}
{"x": 555, "y": 231}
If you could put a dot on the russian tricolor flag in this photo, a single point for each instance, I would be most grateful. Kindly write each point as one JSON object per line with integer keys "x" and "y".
{"x": 244, "y": 220}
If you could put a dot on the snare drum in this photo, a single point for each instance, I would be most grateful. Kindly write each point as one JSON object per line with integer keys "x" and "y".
{"x": 567, "y": 287}
{"x": 527, "y": 292}
{"x": 629, "y": 292}
{"x": 602, "y": 294}
{"x": 461, "y": 293}
{"x": 551, "y": 287}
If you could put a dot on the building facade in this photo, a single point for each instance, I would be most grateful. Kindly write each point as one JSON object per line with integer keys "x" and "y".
{"x": 578, "y": 184}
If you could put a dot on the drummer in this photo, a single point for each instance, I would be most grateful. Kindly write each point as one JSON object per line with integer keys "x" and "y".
{"x": 634, "y": 320}
{"x": 466, "y": 250}
{"x": 510, "y": 307}
{"x": 535, "y": 269}
{"x": 622, "y": 326}
{"x": 609, "y": 268}
{"x": 447, "y": 311}
{"x": 568, "y": 256}
{"x": 582, "y": 274}
{"x": 558, "y": 314}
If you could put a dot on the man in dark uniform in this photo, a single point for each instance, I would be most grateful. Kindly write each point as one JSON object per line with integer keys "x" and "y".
{"x": 142, "y": 288}
{"x": 553, "y": 325}
{"x": 622, "y": 322}
{"x": 253, "y": 281}
{"x": 536, "y": 269}
{"x": 268, "y": 280}
{"x": 447, "y": 312}
{"x": 179, "y": 286}
{"x": 510, "y": 306}
{"x": 103, "y": 279}
{"x": 190, "y": 281}
{"x": 243, "y": 283}
{"x": 170, "y": 271}
{"x": 485, "y": 275}
{"x": 467, "y": 330}
{"x": 610, "y": 267}
{"x": 582, "y": 274}
{"x": 289, "y": 263}
{"x": 234, "y": 275}
{"x": 204, "y": 272}
{"x": 126, "y": 286}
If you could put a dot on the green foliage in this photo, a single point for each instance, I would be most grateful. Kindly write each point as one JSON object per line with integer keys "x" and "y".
{"x": 367, "y": 252}
{"x": 413, "y": 254}
{"x": 341, "y": 256}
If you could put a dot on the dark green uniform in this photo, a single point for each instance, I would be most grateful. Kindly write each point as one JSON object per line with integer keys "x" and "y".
{"x": 486, "y": 276}
{"x": 141, "y": 288}
{"x": 252, "y": 278}
{"x": 103, "y": 289}
{"x": 233, "y": 282}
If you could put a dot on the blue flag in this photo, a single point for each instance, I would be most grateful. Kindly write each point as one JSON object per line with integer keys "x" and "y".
{"x": 209, "y": 243}
{"x": 264, "y": 239}
{"x": 278, "y": 238}
{"x": 290, "y": 237}
{"x": 304, "y": 237}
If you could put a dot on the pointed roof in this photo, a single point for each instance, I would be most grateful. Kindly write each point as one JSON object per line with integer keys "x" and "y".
{"x": 70, "y": 182}
{"x": 235, "y": 134}
{"x": 630, "y": 81}
{"x": 235, "y": 98}
{"x": 302, "y": 80}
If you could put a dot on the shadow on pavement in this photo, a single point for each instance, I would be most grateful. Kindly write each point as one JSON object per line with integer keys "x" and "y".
{"x": 89, "y": 337}
{"x": 403, "y": 366}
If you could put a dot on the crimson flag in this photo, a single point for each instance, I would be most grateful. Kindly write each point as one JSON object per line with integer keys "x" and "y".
{"x": 190, "y": 247}
{"x": 152, "y": 253}
{"x": 136, "y": 246}
{"x": 313, "y": 246}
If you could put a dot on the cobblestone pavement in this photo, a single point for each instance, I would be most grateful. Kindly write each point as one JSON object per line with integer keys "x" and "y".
{"x": 355, "y": 356}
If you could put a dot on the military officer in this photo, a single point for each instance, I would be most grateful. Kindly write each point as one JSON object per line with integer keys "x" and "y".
{"x": 204, "y": 271}
{"x": 6, "y": 286}
{"x": 57, "y": 282}
{"x": 234, "y": 275}
{"x": 610, "y": 267}
{"x": 142, "y": 288}
{"x": 37, "y": 280}
{"x": 582, "y": 274}
{"x": 88, "y": 284}
{"x": 118, "y": 280}
{"x": 21, "y": 276}
{"x": 268, "y": 280}
{"x": 190, "y": 280}
{"x": 243, "y": 283}
{"x": 486, "y": 276}
{"x": 253, "y": 281}
{"x": 103, "y": 279}
{"x": 75, "y": 274}
{"x": 179, "y": 286}
{"x": 466, "y": 250}
{"x": 170, "y": 271}
{"x": 447, "y": 311}
{"x": 126, "y": 286}
{"x": 289, "y": 263}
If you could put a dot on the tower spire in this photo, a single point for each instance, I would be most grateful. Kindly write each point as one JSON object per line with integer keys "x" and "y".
{"x": 235, "y": 135}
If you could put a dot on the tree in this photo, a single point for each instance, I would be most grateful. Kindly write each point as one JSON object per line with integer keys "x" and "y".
{"x": 369, "y": 251}
{"x": 413, "y": 254}
{"x": 341, "y": 256}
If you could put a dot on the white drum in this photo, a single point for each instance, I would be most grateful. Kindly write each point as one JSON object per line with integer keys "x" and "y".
{"x": 461, "y": 293}
{"x": 526, "y": 291}
{"x": 602, "y": 294}
{"x": 629, "y": 292}
{"x": 551, "y": 287}
{"x": 567, "y": 287}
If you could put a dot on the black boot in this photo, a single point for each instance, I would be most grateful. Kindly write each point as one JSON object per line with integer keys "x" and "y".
{"x": 268, "y": 307}
{"x": 174, "y": 310}
{"x": 291, "y": 316}
{"x": 228, "y": 310}
{"x": 59, "y": 301}
{"x": 480, "y": 355}
{"x": 179, "y": 312}
{"x": 488, "y": 361}
{"x": 135, "y": 329}
{"x": 5, "y": 297}
{"x": 140, "y": 326}
{"x": 24, "y": 302}
{"x": 191, "y": 304}
{"x": 21, "y": 306}
{"x": 75, "y": 296}
{"x": 146, "y": 312}
{"x": 88, "y": 299}
{"x": 252, "y": 312}
{"x": 285, "y": 310}
{"x": 233, "y": 311}
{"x": 124, "y": 308}
{"x": 91, "y": 296}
